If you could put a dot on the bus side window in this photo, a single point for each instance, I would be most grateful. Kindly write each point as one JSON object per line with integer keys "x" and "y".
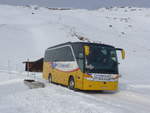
{"x": 64, "y": 54}
{"x": 60, "y": 54}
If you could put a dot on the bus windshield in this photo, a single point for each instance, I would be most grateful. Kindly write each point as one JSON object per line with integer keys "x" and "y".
{"x": 101, "y": 59}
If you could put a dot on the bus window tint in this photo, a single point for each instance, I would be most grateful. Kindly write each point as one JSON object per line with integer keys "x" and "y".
{"x": 60, "y": 54}
{"x": 101, "y": 60}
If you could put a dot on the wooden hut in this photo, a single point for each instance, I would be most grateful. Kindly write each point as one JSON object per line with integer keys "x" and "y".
{"x": 34, "y": 66}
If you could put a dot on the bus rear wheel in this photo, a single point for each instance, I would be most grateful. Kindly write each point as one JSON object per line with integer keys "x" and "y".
{"x": 50, "y": 78}
{"x": 71, "y": 84}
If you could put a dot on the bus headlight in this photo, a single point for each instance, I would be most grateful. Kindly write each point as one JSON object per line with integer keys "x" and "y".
{"x": 116, "y": 76}
{"x": 88, "y": 77}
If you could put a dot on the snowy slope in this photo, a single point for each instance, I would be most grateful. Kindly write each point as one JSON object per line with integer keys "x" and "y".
{"x": 26, "y": 32}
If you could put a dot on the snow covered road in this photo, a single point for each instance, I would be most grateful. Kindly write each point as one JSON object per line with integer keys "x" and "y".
{"x": 126, "y": 100}
{"x": 15, "y": 97}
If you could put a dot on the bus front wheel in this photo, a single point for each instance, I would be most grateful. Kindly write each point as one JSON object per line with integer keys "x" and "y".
{"x": 71, "y": 84}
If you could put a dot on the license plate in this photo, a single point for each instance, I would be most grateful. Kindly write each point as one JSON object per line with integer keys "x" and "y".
{"x": 102, "y": 77}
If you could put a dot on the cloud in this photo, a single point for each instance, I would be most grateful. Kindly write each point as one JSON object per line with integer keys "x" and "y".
{"x": 84, "y": 4}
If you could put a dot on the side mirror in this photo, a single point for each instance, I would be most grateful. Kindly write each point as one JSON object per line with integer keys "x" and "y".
{"x": 122, "y": 52}
{"x": 86, "y": 50}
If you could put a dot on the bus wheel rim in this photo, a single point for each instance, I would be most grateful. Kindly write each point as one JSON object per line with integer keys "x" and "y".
{"x": 72, "y": 84}
{"x": 50, "y": 79}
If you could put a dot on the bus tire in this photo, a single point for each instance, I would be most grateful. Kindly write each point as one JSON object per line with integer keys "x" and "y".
{"x": 71, "y": 83}
{"x": 50, "y": 78}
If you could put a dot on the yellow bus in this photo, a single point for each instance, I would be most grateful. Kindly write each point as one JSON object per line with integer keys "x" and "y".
{"x": 82, "y": 65}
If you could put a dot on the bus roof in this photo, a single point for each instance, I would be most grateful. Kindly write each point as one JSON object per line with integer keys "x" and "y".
{"x": 82, "y": 43}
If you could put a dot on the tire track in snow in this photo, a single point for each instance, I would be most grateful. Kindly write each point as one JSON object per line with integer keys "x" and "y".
{"x": 126, "y": 100}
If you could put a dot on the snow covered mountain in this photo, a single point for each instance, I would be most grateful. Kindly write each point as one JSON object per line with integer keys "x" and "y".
{"x": 25, "y": 32}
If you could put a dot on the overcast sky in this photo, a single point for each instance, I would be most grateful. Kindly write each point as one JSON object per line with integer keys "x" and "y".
{"x": 85, "y": 4}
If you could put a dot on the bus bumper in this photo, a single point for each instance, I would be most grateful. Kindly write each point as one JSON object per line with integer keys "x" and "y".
{"x": 100, "y": 85}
